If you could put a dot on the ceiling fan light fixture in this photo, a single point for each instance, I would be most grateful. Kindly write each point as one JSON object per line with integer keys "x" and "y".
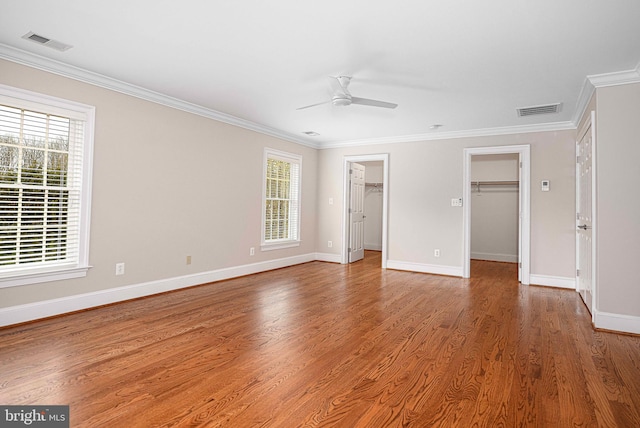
{"x": 340, "y": 101}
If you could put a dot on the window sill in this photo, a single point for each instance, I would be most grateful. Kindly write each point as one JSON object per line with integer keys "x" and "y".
{"x": 279, "y": 245}
{"x": 35, "y": 277}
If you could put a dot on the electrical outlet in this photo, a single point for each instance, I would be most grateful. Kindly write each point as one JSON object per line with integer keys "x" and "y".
{"x": 330, "y": 201}
{"x": 436, "y": 253}
{"x": 119, "y": 268}
{"x": 188, "y": 260}
{"x": 252, "y": 251}
{"x": 329, "y": 244}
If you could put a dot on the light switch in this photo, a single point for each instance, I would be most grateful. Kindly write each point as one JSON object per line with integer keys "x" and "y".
{"x": 545, "y": 185}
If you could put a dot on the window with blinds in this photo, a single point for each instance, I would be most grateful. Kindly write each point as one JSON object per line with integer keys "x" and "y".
{"x": 281, "y": 213}
{"x": 43, "y": 211}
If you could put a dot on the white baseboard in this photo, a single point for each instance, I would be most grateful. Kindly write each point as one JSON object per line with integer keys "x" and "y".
{"x": 373, "y": 247}
{"x": 511, "y": 258}
{"x": 47, "y": 308}
{"x": 553, "y": 281}
{"x": 425, "y": 268}
{"x": 617, "y": 322}
{"x": 326, "y": 257}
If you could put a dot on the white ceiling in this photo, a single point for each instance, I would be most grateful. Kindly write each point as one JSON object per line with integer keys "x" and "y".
{"x": 464, "y": 64}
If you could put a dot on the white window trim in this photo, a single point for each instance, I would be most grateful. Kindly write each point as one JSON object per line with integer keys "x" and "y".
{"x": 281, "y": 243}
{"x": 40, "y": 102}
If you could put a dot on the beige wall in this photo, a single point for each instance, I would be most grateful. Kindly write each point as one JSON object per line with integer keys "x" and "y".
{"x": 166, "y": 184}
{"x": 618, "y": 206}
{"x": 425, "y": 176}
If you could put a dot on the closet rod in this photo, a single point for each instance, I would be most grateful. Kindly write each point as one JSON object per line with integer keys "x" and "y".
{"x": 495, "y": 183}
{"x": 477, "y": 184}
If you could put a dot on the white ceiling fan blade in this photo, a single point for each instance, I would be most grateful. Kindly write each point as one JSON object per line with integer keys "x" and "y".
{"x": 373, "y": 103}
{"x": 313, "y": 105}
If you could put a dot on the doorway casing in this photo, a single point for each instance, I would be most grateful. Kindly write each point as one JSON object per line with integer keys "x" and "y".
{"x": 384, "y": 157}
{"x": 524, "y": 225}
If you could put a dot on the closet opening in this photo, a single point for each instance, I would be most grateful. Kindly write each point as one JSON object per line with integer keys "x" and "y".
{"x": 486, "y": 183}
{"x": 495, "y": 208}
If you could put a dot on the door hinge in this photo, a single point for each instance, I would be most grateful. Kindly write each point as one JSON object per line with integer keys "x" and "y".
{"x": 577, "y": 216}
{"x": 349, "y": 249}
{"x": 520, "y": 164}
{"x": 520, "y": 265}
{"x": 577, "y": 272}
{"x": 350, "y": 171}
{"x": 577, "y": 159}
{"x": 350, "y": 211}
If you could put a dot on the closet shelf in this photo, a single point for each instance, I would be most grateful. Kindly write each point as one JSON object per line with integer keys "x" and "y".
{"x": 373, "y": 184}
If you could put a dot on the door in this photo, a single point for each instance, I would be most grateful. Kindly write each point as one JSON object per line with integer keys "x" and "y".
{"x": 356, "y": 212}
{"x": 584, "y": 215}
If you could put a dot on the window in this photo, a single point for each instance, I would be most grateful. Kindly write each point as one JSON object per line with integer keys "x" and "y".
{"x": 45, "y": 159}
{"x": 281, "y": 201}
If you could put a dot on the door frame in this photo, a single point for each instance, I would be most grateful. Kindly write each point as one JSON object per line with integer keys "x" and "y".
{"x": 524, "y": 224}
{"x": 384, "y": 157}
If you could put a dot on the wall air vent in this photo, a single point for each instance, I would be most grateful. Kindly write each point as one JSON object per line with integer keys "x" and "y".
{"x": 45, "y": 41}
{"x": 536, "y": 110}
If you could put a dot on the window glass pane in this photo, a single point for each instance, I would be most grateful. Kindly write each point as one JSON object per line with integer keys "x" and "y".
{"x": 8, "y": 164}
{"x": 10, "y": 119}
{"x": 57, "y": 169}
{"x": 32, "y": 166}
{"x": 34, "y": 131}
{"x": 59, "y": 133}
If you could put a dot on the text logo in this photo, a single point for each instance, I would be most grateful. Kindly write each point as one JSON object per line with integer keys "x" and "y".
{"x": 34, "y": 416}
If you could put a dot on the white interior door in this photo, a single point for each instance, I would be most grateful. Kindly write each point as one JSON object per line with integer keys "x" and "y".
{"x": 584, "y": 215}
{"x": 356, "y": 212}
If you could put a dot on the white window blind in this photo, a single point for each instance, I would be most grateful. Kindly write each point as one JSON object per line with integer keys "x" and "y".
{"x": 281, "y": 214}
{"x": 42, "y": 174}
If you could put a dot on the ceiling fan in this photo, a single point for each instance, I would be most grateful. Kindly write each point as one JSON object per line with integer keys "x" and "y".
{"x": 342, "y": 97}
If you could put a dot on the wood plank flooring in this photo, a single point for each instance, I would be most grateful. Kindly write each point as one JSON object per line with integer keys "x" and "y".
{"x": 324, "y": 344}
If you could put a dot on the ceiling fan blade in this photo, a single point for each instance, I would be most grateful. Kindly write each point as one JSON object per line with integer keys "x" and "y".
{"x": 373, "y": 103}
{"x": 313, "y": 105}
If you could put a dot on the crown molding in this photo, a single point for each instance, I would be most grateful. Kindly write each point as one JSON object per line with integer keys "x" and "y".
{"x": 483, "y": 132}
{"x": 616, "y": 78}
{"x": 586, "y": 93}
{"x": 57, "y": 67}
{"x": 594, "y": 81}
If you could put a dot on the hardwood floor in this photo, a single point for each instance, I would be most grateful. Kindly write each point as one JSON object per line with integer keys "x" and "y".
{"x": 324, "y": 344}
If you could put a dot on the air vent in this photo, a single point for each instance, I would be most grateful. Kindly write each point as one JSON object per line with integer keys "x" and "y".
{"x": 536, "y": 110}
{"x": 45, "y": 41}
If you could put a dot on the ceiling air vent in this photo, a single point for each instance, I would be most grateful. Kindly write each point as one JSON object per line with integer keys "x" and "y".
{"x": 536, "y": 110}
{"x": 45, "y": 41}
